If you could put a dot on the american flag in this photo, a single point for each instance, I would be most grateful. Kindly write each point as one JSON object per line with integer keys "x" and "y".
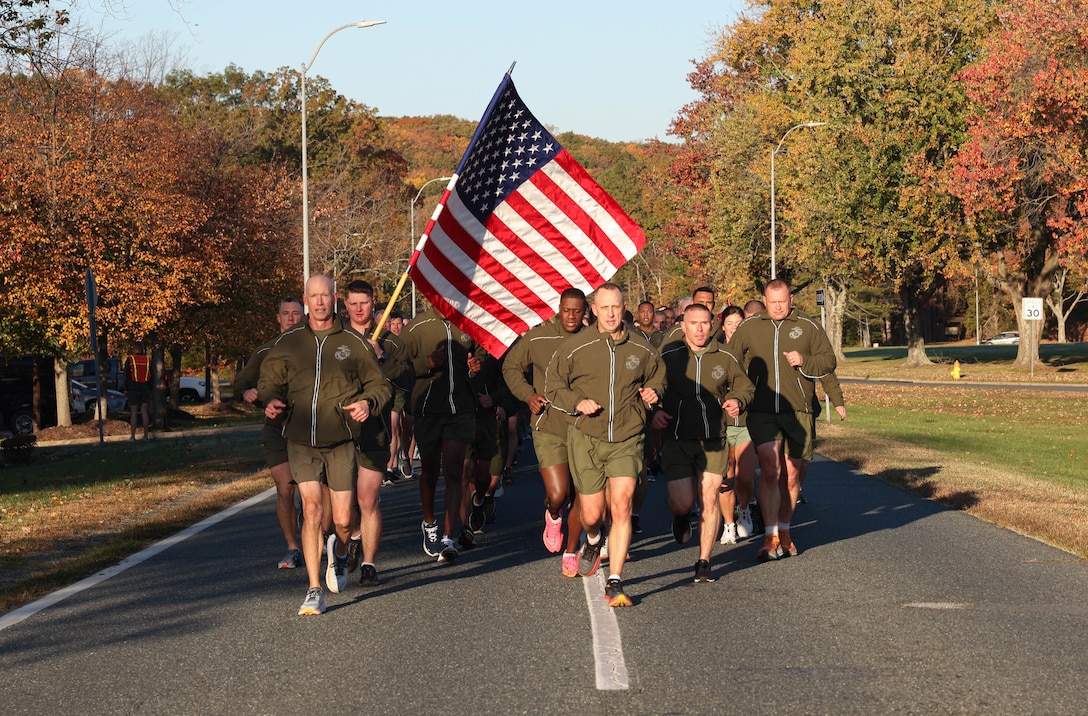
{"x": 520, "y": 222}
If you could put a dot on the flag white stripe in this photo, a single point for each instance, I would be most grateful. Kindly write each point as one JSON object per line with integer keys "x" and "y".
{"x": 619, "y": 238}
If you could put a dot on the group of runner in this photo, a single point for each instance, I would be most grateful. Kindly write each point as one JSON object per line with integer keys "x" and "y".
{"x": 708, "y": 398}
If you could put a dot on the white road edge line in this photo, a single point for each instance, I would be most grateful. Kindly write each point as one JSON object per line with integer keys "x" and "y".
{"x": 610, "y": 667}
{"x": 27, "y": 610}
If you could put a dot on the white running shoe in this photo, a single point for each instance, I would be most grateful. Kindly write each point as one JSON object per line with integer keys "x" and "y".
{"x": 744, "y": 522}
{"x": 336, "y": 573}
{"x": 729, "y": 535}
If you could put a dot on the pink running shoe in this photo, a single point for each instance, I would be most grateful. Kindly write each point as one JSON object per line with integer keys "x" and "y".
{"x": 570, "y": 564}
{"x": 553, "y": 532}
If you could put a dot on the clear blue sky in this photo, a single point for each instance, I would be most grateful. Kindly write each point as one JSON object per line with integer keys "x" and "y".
{"x": 613, "y": 70}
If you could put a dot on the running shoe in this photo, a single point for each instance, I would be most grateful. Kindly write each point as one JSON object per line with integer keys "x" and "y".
{"x": 406, "y": 468}
{"x": 744, "y": 523}
{"x": 636, "y": 525}
{"x": 553, "y": 532}
{"x": 771, "y": 549}
{"x": 313, "y": 604}
{"x": 368, "y": 576}
{"x": 758, "y": 527}
{"x": 388, "y": 478}
{"x": 431, "y": 543}
{"x": 489, "y": 508}
{"x": 508, "y": 476}
{"x": 729, "y": 534}
{"x": 801, "y": 499}
{"x": 702, "y": 572}
{"x": 449, "y": 551}
{"x": 476, "y": 516}
{"x": 604, "y": 547}
{"x": 336, "y": 573}
{"x": 500, "y": 491}
{"x": 789, "y": 549}
{"x": 292, "y": 560}
{"x": 570, "y": 564}
{"x": 355, "y": 553}
{"x": 466, "y": 537}
{"x": 589, "y": 559}
{"x": 613, "y": 594}
{"x": 681, "y": 528}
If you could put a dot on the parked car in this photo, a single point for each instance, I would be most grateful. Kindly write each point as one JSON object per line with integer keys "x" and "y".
{"x": 115, "y": 399}
{"x": 192, "y": 390}
{"x": 1006, "y": 338}
{"x": 18, "y": 378}
{"x": 113, "y": 372}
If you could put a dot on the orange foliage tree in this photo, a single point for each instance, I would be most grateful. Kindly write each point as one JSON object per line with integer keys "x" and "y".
{"x": 1023, "y": 173}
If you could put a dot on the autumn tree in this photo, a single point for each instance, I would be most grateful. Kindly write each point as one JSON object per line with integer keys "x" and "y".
{"x": 1022, "y": 173}
{"x": 863, "y": 201}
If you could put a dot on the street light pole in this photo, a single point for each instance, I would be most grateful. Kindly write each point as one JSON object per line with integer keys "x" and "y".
{"x": 305, "y": 179}
{"x": 412, "y": 235}
{"x": 776, "y": 150}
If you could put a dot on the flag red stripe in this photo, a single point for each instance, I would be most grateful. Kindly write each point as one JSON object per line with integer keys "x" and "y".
{"x": 547, "y": 229}
{"x": 491, "y": 343}
{"x": 484, "y": 260}
{"x": 465, "y": 285}
{"x": 626, "y": 224}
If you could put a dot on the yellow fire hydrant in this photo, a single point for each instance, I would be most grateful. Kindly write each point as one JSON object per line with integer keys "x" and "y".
{"x": 956, "y": 370}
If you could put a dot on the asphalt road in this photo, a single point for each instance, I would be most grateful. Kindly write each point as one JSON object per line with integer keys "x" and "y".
{"x": 895, "y": 605}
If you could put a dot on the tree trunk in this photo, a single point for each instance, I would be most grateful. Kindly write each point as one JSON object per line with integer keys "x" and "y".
{"x": 835, "y": 296}
{"x": 916, "y": 343}
{"x": 158, "y": 400}
{"x": 175, "y": 374}
{"x": 64, "y": 390}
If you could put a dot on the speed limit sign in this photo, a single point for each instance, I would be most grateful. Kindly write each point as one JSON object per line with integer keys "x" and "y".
{"x": 1033, "y": 309}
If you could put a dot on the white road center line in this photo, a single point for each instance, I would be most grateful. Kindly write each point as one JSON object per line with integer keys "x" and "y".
{"x": 611, "y": 670}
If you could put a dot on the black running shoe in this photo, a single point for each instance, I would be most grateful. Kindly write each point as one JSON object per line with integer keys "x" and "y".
{"x": 614, "y": 595}
{"x": 636, "y": 525}
{"x": 368, "y": 576}
{"x": 355, "y": 552}
{"x": 466, "y": 538}
{"x": 702, "y": 572}
{"x": 489, "y": 508}
{"x": 681, "y": 528}
{"x": 476, "y": 516}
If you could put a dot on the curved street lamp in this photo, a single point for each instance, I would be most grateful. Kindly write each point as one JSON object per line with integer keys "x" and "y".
{"x": 776, "y": 150}
{"x": 305, "y": 186}
{"x": 412, "y": 235}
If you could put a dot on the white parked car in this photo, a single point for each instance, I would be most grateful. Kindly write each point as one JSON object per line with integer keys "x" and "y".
{"x": 1006, "y": 338}
{"x": 192, "y": 390}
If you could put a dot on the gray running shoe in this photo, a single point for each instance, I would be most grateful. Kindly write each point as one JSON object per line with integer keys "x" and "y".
{"x": 406, "y": 468}
{"x": 431, "y": 544}
{"x": 314, "y": 603}
{"x": 449, "y": 551}
{"x": 589, "y": 559}
{"x": 292, "y": 560}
